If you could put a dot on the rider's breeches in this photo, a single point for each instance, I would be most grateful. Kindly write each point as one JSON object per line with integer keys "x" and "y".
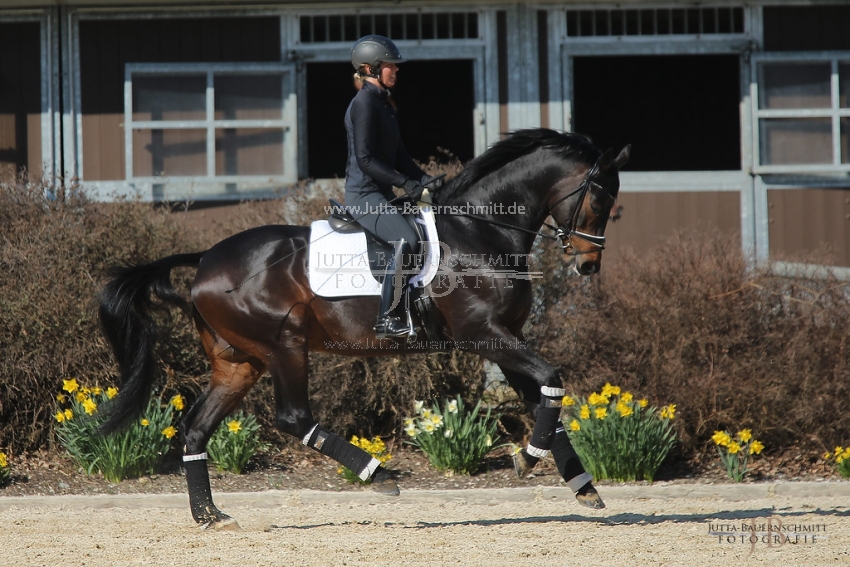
{"x": 330, "y": 444}
{"x": 384, "y": 220}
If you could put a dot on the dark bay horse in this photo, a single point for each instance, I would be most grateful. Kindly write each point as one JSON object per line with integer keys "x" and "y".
{"x": 255, "y": 312}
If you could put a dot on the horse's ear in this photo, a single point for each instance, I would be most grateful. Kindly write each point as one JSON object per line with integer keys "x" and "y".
{"x": 623, "y": 157}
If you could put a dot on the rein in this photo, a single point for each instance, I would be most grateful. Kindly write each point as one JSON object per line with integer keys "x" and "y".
{"x": 561, "y": 233}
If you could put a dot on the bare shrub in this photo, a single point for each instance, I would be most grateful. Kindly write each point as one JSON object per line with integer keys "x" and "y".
{"x": 54, "y": 250}
{"x": 690, "y": 324}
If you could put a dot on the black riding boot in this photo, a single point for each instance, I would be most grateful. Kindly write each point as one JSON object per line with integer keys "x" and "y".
{"x": 392, "y": 319}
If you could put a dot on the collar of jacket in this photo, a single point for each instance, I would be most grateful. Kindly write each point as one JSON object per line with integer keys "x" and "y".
{"x": 375, "y": 90}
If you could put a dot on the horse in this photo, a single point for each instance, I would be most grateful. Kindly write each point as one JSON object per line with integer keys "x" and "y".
{"x": 254, "y": 310}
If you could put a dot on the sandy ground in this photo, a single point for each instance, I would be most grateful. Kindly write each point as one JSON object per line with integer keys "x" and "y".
{"x": 673, "y": 524}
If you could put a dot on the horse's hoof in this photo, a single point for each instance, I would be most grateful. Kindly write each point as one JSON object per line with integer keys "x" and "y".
{"x": 384, "y": 483}
{"x": 587, "y": 496}
{"x": 522, "y": 465}
{"x": 221, "y": 523}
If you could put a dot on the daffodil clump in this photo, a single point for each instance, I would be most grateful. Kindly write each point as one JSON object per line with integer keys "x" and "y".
{"x": 455, "y": 439}
{"x": 735, "y": 451}
{"x": 376, "y": 447}
{"x": 5, "y": 471}
{"x": 234, "y": 442}
{"x": 135, "y": 451}
{"x": 618, "y": 437}
{"x": 841, "y": 458}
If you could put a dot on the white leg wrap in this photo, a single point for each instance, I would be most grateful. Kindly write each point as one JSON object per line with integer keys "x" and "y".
{"x": 579, "y": 481}
{"x": 198, "y": 457}
{"x": 552, "y": 392}
{"x": 309, "y": 434}
{"x": 370, "y": 469}
{"x": 535, "y": 452}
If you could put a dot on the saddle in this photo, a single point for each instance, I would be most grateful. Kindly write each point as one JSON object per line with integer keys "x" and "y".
{"x": 343, "y": 222}
{"x": 346, "y": 260}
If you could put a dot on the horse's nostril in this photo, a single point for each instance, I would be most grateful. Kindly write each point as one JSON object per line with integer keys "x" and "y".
{"x": 588, "y": 268}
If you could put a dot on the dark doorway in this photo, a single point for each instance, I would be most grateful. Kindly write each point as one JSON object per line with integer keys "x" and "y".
{"x": 680, "y": 113}
{"x": 435, "y": 102}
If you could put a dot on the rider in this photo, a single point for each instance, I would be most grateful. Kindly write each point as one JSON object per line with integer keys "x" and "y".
{"x": 377, "y": 161}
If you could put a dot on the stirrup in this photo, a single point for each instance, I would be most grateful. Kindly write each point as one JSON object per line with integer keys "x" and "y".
{"x": 391, "y": 326}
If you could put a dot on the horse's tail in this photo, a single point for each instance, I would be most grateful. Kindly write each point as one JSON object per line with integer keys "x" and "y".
{"x": 126, "y": 317}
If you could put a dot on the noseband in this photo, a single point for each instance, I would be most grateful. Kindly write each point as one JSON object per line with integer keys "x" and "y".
{"x": 566, "y": 233}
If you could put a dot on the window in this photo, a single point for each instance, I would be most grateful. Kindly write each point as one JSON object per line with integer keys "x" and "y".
{"x": 222, "y": 122}
{"x": 655, "y": 21}
{"x": 351, "y": 27}
{"x": 802, "y": 113}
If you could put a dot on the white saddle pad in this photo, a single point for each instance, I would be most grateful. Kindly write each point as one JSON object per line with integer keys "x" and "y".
{"x": 339, "y": 263}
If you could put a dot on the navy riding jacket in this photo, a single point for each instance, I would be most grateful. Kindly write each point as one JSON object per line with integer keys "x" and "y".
{"x": 377, "y": 160}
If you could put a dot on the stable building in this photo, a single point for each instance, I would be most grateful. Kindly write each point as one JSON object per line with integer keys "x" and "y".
{"x": 738, "y": 113}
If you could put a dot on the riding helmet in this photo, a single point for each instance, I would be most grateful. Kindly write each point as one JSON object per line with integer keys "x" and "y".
{"x": 373, "y": 50}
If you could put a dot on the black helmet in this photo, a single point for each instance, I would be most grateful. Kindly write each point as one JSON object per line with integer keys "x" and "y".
{"x": 373, "y": 50}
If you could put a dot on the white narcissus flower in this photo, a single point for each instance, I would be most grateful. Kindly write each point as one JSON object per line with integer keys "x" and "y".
{"x": 452, "y": 406}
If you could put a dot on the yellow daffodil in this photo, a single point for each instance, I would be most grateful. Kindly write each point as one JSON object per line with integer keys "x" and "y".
{"x": 624, "y": 409}
{"x": 733, "y": 448}
{"x": 81, "y": 397}
{"x": 3, "y": 462}
{"x": 69, "y": 414}
{"x": 826, "y": 455}
{"x": 169, "y": 432}
{"x": 597, "y": 399}
{"x": 745, "y": 435}
{"x": 61, "y": 398}
{"x": 575, "y": 425}
{"x": 721, "y": 438}
{"x": 177, "y": 402}
{"x": 60, "y": 416}
{"x": 97, "y": 391}
{"x": 234, "y": 426}
{"x": 668, "y": 412}
{"x": 584, "y": 412}
{"x": 70, "y": 386}
{"x": 567, "y": 401}
{"x": 111, "y": 392}
{"x": 89, "y": 406}
{"x": 608, "y": 390}
{"x": 626, "y": 397}
{"x": 601, "y": 413}
{"x": 755, "y": 447}
{"x": 145, "y": 422}
{"x": 643, "y": 403}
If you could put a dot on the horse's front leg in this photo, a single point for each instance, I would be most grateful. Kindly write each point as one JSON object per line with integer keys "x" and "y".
{"x": 569, "y": 465}
{"x": 540, "y": 384}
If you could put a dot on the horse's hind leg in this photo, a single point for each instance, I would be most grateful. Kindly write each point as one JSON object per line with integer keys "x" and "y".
{"x": 566, "y": 459}
{"x": 289, "y": 371}
{"x": 233, "y": 374}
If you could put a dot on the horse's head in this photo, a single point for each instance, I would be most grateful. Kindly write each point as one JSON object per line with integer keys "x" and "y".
{"x": 582, "y": 212}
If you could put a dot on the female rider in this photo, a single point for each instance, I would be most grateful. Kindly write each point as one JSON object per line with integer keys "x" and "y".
{"x": 377, "y": 161}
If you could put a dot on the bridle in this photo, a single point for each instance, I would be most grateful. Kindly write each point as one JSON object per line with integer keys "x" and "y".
{"x": 563, "y": 233}
{"x": 566, "y": 234}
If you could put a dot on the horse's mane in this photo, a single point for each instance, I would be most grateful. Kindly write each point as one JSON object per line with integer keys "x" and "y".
{"x": 516, "y": 145}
